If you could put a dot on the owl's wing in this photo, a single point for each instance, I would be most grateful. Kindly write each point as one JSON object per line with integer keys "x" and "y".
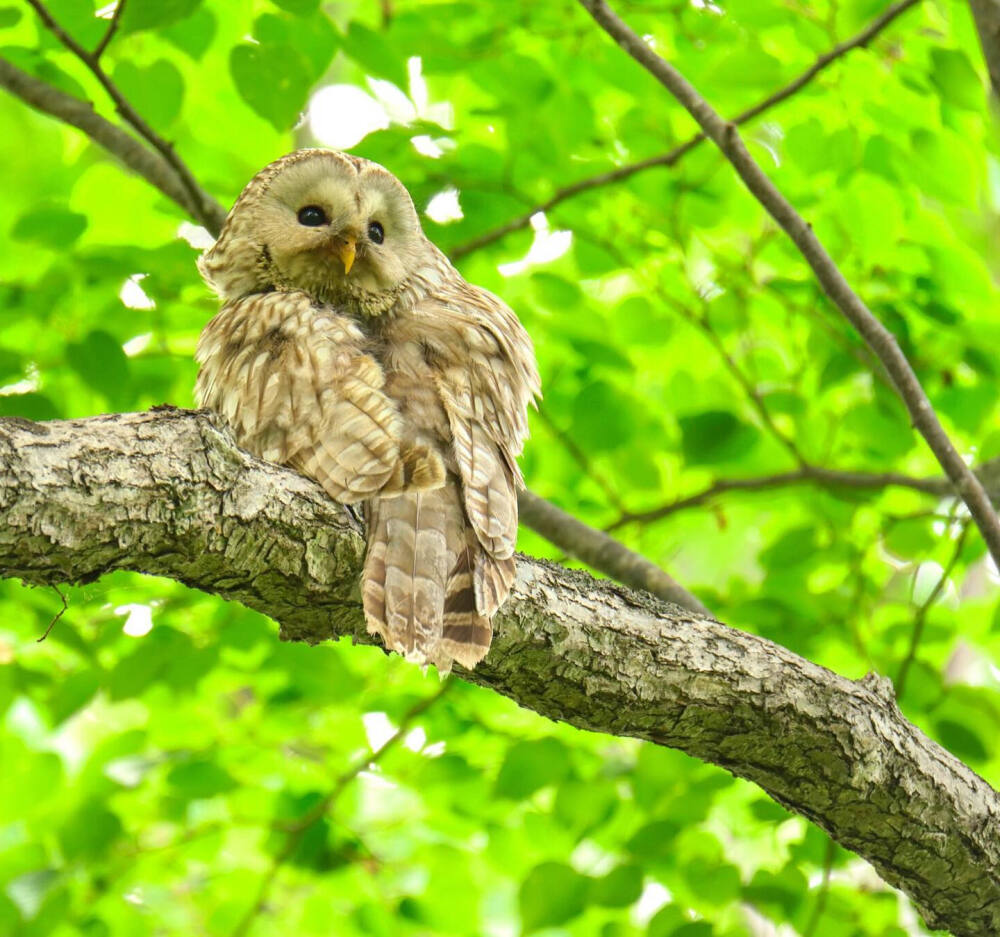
{"x": 295, "y": 384}
{"x": 485, "y": 389}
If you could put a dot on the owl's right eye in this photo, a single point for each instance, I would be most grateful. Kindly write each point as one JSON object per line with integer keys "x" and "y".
{"x": 312, "y": 216}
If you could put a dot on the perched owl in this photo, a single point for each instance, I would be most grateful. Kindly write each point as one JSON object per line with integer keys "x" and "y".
{"x": 349, "y": 348}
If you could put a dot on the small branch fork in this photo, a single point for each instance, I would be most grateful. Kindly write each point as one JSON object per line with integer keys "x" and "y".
{"x": 882, "y": 342}
{"x": 674, "y": 156}
{"x": 127, "y": 112}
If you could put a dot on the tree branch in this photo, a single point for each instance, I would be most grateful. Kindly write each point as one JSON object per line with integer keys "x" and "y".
{"x": 137, "y": 157}
{"x": 986, "y": 14}
{"x": 116, "y": 18}
{"x": 877, "y": 336}
{"x": 805, "y": 475}
{"x": 673, "y": 156}
{"x": 129, "y": 113}
{"x": 298, "y": 831}
{"x": 168, "y": 493}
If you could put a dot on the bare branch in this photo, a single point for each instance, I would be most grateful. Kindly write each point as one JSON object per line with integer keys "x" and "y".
{"x": 168, "y": 493}
{"x": 129, "y": 113}
{"x": 986, "y": 13}
{"x": 109, "y": 34}
{"x": 137, "y": 157}
{"x": 920, "y": 619}
{"x": 673, "y": 156}
{"x": 804, "y": 475}
{"x": 878, "y": 337}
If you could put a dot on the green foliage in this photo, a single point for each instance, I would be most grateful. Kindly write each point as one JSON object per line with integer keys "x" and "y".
{"x": 150, "y": 781}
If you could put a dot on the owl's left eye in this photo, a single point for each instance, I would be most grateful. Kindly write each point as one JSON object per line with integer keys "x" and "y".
{"x": 376, "y": 233}
{"x": 312, "y": 216}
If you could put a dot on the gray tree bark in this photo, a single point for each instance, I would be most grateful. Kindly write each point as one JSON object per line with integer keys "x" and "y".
{"x": 168, "y": 493}
{"x": 986, "y": 13}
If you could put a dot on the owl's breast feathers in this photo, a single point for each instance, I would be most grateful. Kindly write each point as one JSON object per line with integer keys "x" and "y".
{"x": 421, "y": 415}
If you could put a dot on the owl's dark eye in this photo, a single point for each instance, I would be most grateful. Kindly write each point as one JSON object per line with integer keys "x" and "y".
{"x": 312, "y": 216}
{"x": 376, "y": 233}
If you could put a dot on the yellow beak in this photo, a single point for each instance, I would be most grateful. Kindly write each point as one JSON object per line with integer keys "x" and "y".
{"x": 345, "y": 250}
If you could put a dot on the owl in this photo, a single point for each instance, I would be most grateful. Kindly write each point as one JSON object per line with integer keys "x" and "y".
{"x": 350, "y": 349}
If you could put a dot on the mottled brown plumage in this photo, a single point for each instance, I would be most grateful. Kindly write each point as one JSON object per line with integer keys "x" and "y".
{"x": 348, "y": 347}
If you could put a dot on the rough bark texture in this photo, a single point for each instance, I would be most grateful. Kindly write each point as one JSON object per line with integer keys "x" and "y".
{"x": 168, "y": 493}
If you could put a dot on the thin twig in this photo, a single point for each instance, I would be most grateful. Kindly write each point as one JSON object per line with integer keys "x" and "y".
{"x": 134, "y": 154}
{"x": 671, "y": 157}
{"x": 920, "y": 620}
{"x": 582, "y": 459}
{"x": 824, "y": 890}
{"x": 55, "y": 617}
{"x": 123, "y": 107}
{"x": 109, "y": 34}
{"x": 726, "y": 137}
{"x": 804, "y": 475}
{"x": 298, "y": 830}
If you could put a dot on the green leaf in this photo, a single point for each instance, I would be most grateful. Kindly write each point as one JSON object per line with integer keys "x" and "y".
{"x": 51, "y": 226}
{"x": 529, "y": 766}
{"x": 551, "y": 894}
{"x": 603, "y": 417}
{"x": 101, "y": 363}
{"x": 89, "y": 832}
{"x": 147, "y": 14}
{"x": 196, "y": 780}
{"x": 194, "y": 34}
{"x": 273, "y": 80}
{"x": 9, "y": 16}
{"x": 956, "y": 79}
{"x": 375, "y": 53}
{"x": 155, "y": 90}
{"x": 714, "y": 437}
{"x": 961, "y": 740}
{"x": 298, "y": 7}
{"x": 618, "y": 889}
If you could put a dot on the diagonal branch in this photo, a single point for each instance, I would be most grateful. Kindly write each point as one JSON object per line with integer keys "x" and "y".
{"x": 168, "y": 493}
{"x": 109, "y": 34}
{"x": 673, "y": 156}
{"x": 986, "y": 14}
{"x": 879, "y": 338}
{"x": 129, "y": 113}
{"x": 139, "y": 158}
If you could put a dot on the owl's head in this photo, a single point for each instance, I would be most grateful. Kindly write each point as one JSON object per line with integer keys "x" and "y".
{"x": 341, "y": 228}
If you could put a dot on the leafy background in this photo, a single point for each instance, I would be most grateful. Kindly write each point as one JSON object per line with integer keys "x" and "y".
{"x": 159, "y": 745}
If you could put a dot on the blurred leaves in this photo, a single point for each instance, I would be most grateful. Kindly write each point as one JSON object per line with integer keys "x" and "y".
{"x": 149, "y": 781}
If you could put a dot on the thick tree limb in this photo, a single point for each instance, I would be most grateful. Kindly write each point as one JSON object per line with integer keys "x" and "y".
{"x": 168, "y": 493}
{"x": 881, "y": 341}
{"x": 986, "y": 13}
{"x": 673, "y": 156}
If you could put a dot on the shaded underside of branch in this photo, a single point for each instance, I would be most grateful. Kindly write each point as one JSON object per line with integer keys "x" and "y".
{"x": 168, "y": 493}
